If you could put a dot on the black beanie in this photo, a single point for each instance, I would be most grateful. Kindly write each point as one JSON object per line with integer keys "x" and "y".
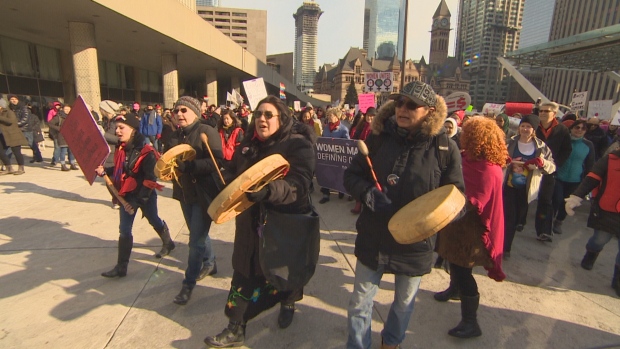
{"x": 531, "y": 119}
{"x": 189, "y": 102}
{"x": 129, "y": 119}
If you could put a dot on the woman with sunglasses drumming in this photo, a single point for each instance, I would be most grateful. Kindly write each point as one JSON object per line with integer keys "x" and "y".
{"x": 572, "y": 172}
{"x": 272, "y": 131}
{"x": 195, "y": 188}
{"x": 134, "y": 178}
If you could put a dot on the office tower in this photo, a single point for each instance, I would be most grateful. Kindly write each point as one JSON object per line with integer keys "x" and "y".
{"x": 211, "y": 3}
{"x": 572, "y": 17}
{"x": 537, "y": 17}
{"x": 306, "y": 43}
{"x": 383, "y": 34}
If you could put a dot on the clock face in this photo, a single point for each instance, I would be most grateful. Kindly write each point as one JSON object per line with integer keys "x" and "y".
{"x": 444, "y": 22}
{"x": 435, "y": 23}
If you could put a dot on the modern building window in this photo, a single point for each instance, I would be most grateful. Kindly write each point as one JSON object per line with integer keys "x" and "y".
{"x": 239, "y": 21}
{"x": 239, "y": 14}
{"x": 49, "y": 63}
{"x": 224, "y": 20}
{"x": 16, "y": 57}
{"x": 218, "y": 13}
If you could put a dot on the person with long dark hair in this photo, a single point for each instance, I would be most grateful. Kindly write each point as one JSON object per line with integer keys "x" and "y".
{"x": 231, "y": 133}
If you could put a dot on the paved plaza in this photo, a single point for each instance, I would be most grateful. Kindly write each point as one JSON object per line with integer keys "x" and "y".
{"x": 58, "y": 233}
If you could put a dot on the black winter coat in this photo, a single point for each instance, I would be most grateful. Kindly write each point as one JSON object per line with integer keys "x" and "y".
{"x": 201, "y": 184}
{"x": 374, "y": 244}
{"x": 55, "y": 124}
{"x": 559, "y": 142}
{"x": 295, "y": 142}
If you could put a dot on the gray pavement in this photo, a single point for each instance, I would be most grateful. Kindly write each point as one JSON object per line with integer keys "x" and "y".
{"x": 57, "y": 234}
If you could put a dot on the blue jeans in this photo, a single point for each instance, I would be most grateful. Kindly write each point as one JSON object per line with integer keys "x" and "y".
{"x": 152, "y": 140}
{"x": 36, "y": 153}
{"x": 63, "y": 155}
{"x": 361, "y": 303}
{"x": 598, "y": 240}
{"x": 200, "y": 250}
{"x": 149, "y": 211}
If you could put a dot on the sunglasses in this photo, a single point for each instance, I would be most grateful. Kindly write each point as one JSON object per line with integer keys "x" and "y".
{"x": 546, "y": 111}
{"x": 268, "y": 115}
{"x": 409, "y": 104}
{"x": 180, "y": 110}
{"x": 580, "y": 128}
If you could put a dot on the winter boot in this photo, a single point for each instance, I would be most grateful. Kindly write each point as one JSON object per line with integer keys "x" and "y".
{"x": 468, "y": 327}
{"x": 285, "y": 318}
{"x": 588, "y": 260}
{"x": 125, "y": 244}
{"x": 20, "y": 170}
{"x": 183, "y": 297}
{"x": 232, "y": 336}
{"x": 385, "y": 346}
{"x": 73, "y": 167}
{"x": 64, "y": 168}
{"x": 615, "y": 282}
{"x": 557, "y": 227}
{"x": 167, "y": 243}
{"x": 358, "y": 208}
{"x": 451, "y": 293}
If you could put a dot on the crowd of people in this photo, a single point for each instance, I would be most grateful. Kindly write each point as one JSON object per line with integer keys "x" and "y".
{"x": 500, "y": 163}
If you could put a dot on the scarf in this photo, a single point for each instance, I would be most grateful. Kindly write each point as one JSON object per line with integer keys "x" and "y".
{"x": 125, "y": 183}
{"x": 334, "y": 126}
{"x": 229, "y": 142}
{"x": 119, "y": 164}
{"x": 547, "y": 131}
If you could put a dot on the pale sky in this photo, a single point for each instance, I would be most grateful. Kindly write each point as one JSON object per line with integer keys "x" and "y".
{"x": 341, "y": 25}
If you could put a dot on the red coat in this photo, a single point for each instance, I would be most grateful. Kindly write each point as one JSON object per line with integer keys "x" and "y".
{"x": 229, "y": 145}
{"x": 483, "y": 189}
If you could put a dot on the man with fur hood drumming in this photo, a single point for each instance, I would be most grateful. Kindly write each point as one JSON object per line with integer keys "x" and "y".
{"x": 411, "y": 155}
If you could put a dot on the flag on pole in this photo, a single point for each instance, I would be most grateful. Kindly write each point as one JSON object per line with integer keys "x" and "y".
{"x": 238, "y": 99}
{"x": 282, "y": 88}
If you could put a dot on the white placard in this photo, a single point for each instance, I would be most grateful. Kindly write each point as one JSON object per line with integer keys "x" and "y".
{"x": 378, "y": 82}
{"x": 458, "y": 101}
{"x": 297, "y": 105}
{"x": 616, "y": 119}
{"x": 579, "y": 100}
{"x": 255, "y": 90}
{"x": 346, "y": 107}
{"x": 492, "y": 108}
{"x": 600, "y": 109}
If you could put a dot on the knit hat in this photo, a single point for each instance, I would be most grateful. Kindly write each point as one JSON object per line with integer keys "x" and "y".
{"x": 3, "y": 103}
{"x": 371, "y": 111}
{"x": 129, "y": 119}
{"x": 190, "y": 102}
{"x": 109, "y": 106}
{"x": 419, "y": 92}
{"x": 531, "y": 119}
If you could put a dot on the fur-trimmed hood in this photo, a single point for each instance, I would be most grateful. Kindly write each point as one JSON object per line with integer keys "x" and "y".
{"x": 431, "y": 126}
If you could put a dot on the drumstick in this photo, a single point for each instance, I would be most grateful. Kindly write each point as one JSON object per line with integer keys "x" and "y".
{"x": 364, "y": 150}
{"x": 217, "y": 167}
{"x": 114, "y": 192}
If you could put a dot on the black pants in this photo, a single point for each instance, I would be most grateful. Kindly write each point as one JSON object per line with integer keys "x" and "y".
{"x": 17, "y": 151}
{"x": 515, "y": 211}
{"x": 544, "y": 210}
{"x": 561, "y": 191}
{"x": 249, "y": 297}
{"x": 464, "y": 280}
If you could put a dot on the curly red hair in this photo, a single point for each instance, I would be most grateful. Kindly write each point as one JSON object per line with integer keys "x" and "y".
{"x": 482, "y": 139}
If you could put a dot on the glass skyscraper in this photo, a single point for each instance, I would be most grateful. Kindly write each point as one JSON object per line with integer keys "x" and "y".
{"x": 384, "y": 28}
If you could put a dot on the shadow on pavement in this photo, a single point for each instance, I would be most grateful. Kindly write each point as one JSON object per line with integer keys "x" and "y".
{"x": 28, "y": 187}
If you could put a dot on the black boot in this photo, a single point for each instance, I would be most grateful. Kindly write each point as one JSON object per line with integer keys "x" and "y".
{"x": 588, "y": 260}
{"x": 232, "y": 336}
{"x": 285, "y": 318}
{"x": 615, "y": 282}
{"x": 207, "y": 270}
{"x": 167, "y": 243}
{"x": 468, "y": 327}
{"x": 452, "y": 292}
{"x": 125, "y": 244}
{"x": 183, "y": 297}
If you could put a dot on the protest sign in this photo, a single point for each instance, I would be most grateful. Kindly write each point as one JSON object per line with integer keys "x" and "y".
{"x": 255, "y": 90}
{"x": 578, "y": 102}
{"x": 297, "y": 105}
{"x": 458, "y": 101}
{"x": 366, "y": 101}
{"x": 492, "y": 108}
{"x": 334, "y": 155}
{"x": 378, "y": 82}
{"x": 600, "y": 109}
{"x": 346, "y": 107}
{"x": 84, "y": 139}
{"x": 616, "y": 119}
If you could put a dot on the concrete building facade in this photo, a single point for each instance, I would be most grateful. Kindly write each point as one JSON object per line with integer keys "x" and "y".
{"x": 571, "y": 17}
{"x": 383, "y": 36}
{"x": 306, "y": 43}
{"x": 488, "y": 29}
{"x": 248, "y": 28}
{"x": 282, "y": 63}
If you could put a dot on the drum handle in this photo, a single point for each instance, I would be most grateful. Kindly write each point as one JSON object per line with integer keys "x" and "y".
{"x": 361, "y": 146}
{"x": 205, "y": 140}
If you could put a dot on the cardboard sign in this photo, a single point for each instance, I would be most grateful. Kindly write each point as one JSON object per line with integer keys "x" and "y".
{"x": 334, "y": 155}
{"x": 366, "y": 101}
{"x": 600, "y": 109}
{"x": 84, "y": 139}
{"x": 378, "y": 82}
{"x": 616, "y": 119}
{"x": 458, "y": 101}
{"x": 255, "y": 90}
{"x": 297, "y": 105}
{"x": 492, "y": 108}
{"x": 579, "y": 100}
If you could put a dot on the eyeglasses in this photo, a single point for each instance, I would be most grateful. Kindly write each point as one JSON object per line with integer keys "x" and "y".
{"x": 411, "y": 105}
{"x": 268, "y": 115}
{"x": 545, "y": 111}
{"x": 579, "y": 128}
{"x": 180, "y": 110}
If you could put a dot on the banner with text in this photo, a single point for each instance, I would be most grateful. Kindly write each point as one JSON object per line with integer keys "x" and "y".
{"x": 458, "y": 101}
{"x": 333, "y": 156}
{"x": 579, "y": 100}
{"x": 366, "y": 101}
{"x": 378, "y": 82}
{"x": 600, "y": 109}
{"x": 255, "y": 90}
{"x": 84, "y": 139}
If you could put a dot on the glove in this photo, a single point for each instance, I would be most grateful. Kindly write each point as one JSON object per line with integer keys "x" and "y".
{"x": 158, "y": 136}
{"x": 376, "y": 200}
{"x": 572, "y": 202}
{"x": 259, "y": 195}
{"x": 534, "y": 163}
{"x": 185, "y": 166}
{"x": 508, "y": 161}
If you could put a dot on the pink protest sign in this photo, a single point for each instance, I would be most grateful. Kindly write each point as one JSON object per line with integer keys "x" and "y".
{"x": 84, "y": 139}
{"x": 366, "y": 100}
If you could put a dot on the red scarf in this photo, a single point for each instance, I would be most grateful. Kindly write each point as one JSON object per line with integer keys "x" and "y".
{"x": 228, "y": 146}
{"x": 547, "y": 131}
{"x": 334, "y": 126}
{"x": 365, "y": 131}
{"x": 125, "y": 183}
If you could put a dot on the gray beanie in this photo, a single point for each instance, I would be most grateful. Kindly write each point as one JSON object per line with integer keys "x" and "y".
{"x": 189, "y": 102}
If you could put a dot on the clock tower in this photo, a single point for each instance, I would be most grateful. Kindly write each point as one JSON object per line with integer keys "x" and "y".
{"x": 440, "y": 35}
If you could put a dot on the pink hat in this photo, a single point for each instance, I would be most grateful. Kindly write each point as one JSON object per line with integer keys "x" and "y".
{"x": 136, "y": 105}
